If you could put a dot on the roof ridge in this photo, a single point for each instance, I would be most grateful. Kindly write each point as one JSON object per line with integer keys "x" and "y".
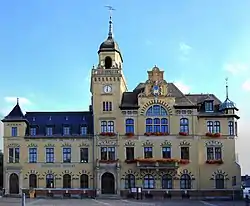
{"x": 182, "y": 93}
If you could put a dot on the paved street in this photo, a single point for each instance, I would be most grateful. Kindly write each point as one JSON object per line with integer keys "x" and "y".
{"x": 90, "y": 202}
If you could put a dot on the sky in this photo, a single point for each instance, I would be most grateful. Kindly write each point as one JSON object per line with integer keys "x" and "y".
{"x": 47, "y": 50}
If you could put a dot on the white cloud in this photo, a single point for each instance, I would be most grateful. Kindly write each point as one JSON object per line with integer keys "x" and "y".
{"x": 236, "y": 68}
{"x": 22, "y": 100}
{"x": 182, "y": 87}
{"x": 246, "y": 85}
{"x": 184, "y": 48}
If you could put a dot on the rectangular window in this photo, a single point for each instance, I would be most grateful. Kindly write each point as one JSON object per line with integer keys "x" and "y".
{"x": 148, "y": 152}
{"x": 49, "y": 131}
{"x": 209, "y": 106}
{"x": 14, "y": 131}
{"x": 66, "y": 130}
{"x": 210, "y": 153}
{"x": 50, "y": 157}
{"x": 108, "y": 153}
{"x": 106, "y": 106}
{"x": 107, "y": 126}
{"x": 83, "y": 130}
{"x": 32, "y": 131}
{"x": 166, "y": 152}
{"x": 214, "y": 153}
{"x": 185, "y": 153}
{"x": 66, "y": 155}
{"x": 32, "y": 155}
{"x": 130, "y": 153}
{"x": 14, "y": 155}
{"x": 84, "y": 155}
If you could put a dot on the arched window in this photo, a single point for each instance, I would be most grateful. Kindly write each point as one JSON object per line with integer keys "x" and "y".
{"x": 167, "y": 182}
{"x": 157, "y": 125}
{"x": 50, "y": 181}
{"x": 66, "y": 181}
{"x": 219, "y": 181}
{"x": 231, "y": 128}
{"x": 129, "y": 181}
{"x": 216, "y": 127}
{"x": 185, "y": 181}
{"x": 210, "y": 126}
{"x": 108, "y": 62}
{"x": 84, "y": 181}
{"x": 130, "y": 126}
{"x": 148, "y": 182}
{"x": 184, "y": 127}
{"x": 164, "y": 125}
{"x": 32, "y": 181}
{"x": 156, "y": 110}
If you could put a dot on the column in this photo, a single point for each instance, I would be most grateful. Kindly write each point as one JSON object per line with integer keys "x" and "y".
{"x": 6, "y": 182}
{"x": 118, "y": 181}
{"x": 98, "y": 182}
{"x": 20, "y": 176}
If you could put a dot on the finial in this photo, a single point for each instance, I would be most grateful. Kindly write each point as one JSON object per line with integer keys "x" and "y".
{"x": 17, "y": 100}
{"x": 110, "y": 34}
{"x": 226, "y": 88}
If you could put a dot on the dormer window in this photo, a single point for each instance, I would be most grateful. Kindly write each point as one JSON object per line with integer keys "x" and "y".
{"x": 49, "y": 117}
{"x": 66, "y": 118}
{"x": 49, "y": 131}
{"x": 33, "y": 119}
{"x": 83, "y": 130}
{"x": 209, "y": 106}
{"x": 66, "y": 130}
{"x": 32, "y": 131}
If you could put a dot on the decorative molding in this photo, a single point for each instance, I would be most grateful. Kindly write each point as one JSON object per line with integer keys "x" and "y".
{"x": 166, "y": 143}
{"x": 107, "y": 143}
{"x": 219, "y": 172}
{"x": 49, "y": 172}
{"x": 156, "y": 101}
{"x": 84, "y": 172}
{"x": 32, "y": 145}
{"x": 148, "y": 172}
{"x": 66, "y": 144}
{"x": 83, "y": 144}
{"x": 49, "y": 145}
{"x": 185, "y": 143}
{"x": 147, "y": 144}
{"x": 129, "y": 143}
{"x": 131, "y": 172}
{"x": 31, "y": 172}
{"x": 14, "y": 145}
{"x": 66, "y": 172}
{"x": 213, "y": 143}
{"x": 185, "y": 172}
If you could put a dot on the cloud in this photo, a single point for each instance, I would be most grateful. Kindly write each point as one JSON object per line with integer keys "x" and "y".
{"x": 184, "y": 48}
{"x": 236, "y": 68}
{"x": 246, "y": 85}
{"x": 21, "y": 100}
{"x": 182, "y": 87}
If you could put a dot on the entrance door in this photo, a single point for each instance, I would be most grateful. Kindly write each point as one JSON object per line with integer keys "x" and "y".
{"x": 14, "y": 184}
{"x": 108, "y": 183}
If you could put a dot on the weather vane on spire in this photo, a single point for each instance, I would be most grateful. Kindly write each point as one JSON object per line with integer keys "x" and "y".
{"x": 110, "y": 34}
{"x": 226, "y": 87}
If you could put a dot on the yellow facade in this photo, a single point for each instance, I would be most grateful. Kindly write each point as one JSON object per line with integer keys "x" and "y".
{"x": 155, "y": 110}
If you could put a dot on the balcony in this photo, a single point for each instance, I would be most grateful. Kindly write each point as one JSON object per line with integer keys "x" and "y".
{"x": 107, "y": 164}
{"x": 105, "y": 135}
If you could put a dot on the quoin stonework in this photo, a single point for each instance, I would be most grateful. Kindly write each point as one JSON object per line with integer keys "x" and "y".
{"x": 153, "y": 137}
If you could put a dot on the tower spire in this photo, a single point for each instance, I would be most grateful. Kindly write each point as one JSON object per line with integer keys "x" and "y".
{"x": 226, "y": 88}
{"x": 110, "y": 34}
{"x": 17, "y": 101}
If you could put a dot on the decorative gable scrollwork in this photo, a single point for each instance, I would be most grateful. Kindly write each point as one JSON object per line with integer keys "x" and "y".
{"x": 147, "y": 144}
{"x": 129, "y": 143}
{"x": 66, "y": 144}
{"x": 83, "y": 144}
{"x": 14, "y": 145}
{"x": 107, "y": 143}
{"x": 166, "y": 143}
{"x": 152, "y": 102}
{"x": 219, "y": 172}
{"x": 136, "y": 174}
{"x": 213, "y": 143}
{"x": 32, "y": 145}
{"x": 185, "y": 172}
{"x": 49, "y": 145}
{"x": 185, "y": 143}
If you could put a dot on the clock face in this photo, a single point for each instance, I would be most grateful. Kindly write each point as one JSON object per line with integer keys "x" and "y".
{"x": 107, "y": 89}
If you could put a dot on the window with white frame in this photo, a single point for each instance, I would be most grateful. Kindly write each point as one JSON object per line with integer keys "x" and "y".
{"x": 107, "y": 126}
{"x": 214, "y": 153}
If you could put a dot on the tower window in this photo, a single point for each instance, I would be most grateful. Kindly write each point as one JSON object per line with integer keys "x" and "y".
{"x": 108, "y": 62}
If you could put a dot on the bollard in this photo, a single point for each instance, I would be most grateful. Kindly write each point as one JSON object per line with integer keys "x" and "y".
{"x": 23, "y": 199}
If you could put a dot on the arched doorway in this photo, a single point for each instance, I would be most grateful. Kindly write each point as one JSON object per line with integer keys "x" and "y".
{"x": 33, "y": 181}
{"x": 14, "y": 184}
{"x": 66, "y": 181}
{"x": 108, "y": 183}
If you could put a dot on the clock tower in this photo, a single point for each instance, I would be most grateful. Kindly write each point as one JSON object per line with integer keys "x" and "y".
{"x": 107, "y": 85}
